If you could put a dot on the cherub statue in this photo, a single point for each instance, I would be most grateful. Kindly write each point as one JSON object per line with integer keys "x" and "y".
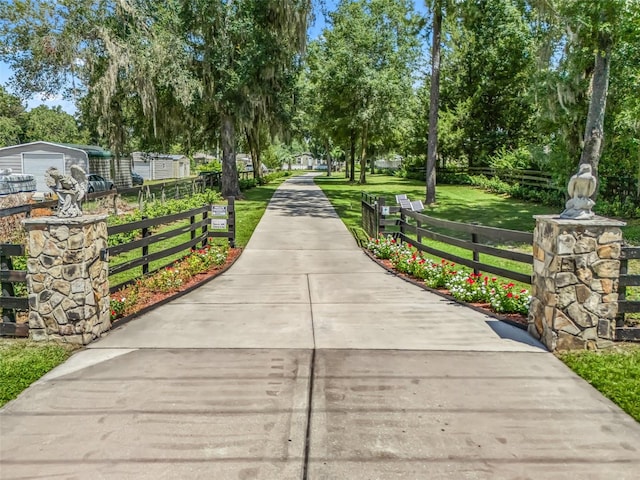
{"x": 69, "y": 188}
{"x": 581, "y": 186}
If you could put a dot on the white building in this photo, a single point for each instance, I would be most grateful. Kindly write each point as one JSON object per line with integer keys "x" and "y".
{"x": 36, "y": 157}
{"x": 160, "y": 166}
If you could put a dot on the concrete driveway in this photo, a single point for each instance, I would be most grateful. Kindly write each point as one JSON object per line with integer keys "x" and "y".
{"x": 306, "y": 360}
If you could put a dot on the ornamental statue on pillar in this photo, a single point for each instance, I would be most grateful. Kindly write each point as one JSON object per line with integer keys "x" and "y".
{"x": 581, "y": 186}
{"x": 70, "y": 189}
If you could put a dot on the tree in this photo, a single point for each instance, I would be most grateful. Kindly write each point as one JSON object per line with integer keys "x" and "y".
{"x": 363, "y": 72}
{"x": 487, "y": 65}
{"x": 434, "y": 103}
{"x": 184, "y": 70}
{"x": 591, "y": 33}
{"x": 11, "y": 111}
{"x": 51, "y": 125}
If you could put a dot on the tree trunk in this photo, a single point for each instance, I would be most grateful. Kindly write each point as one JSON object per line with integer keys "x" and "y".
{"x": 594, "y": 131}
{"x": 352, "y": 158}
{"x": 434, "y": 99}
{"x": 326, "y": 146}
{"x": 363, "y": 157}
{"x": 229, "y": 181}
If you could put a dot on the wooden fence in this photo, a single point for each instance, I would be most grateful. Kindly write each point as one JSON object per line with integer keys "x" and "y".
{"x": 9, "y": 302}
{"x": 624, "y": 331}
{"x": 529, "y": 178}
{"x": 204, "y": 223}
{"x": 402, "y": 223}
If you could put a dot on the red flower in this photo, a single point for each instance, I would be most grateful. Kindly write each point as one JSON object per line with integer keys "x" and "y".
{"x": 509, "y": 295}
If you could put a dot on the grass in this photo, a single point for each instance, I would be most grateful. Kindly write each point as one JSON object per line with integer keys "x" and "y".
{"x": 23, "y": 362}
{"x": 456, "y": 203}
{"x": 616, "y": 374}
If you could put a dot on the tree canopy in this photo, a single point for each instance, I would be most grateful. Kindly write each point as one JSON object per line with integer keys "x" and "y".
{"x": 523, "y": 83}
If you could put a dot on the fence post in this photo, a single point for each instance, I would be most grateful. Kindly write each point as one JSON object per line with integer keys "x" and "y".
{"x": 8, "y": 315}
{"x": 476, "y": 254}
{"x": 145, "y": 247}
{"x": 379, "y": 216}
{"x": 622, "y": 291}
{"x": 192, "y": 220}
{"x": 68, "y": 278}
{"x": 418, "y": 227}
{"x": 231, "y": 225}
{"x": 205, "y": 227}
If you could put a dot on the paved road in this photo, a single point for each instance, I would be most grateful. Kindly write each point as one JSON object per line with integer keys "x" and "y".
{"x": 307, "y": 360}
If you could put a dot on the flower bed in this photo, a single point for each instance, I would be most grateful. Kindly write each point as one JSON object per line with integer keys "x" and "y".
{"x": 461, "y": 283}
{"x": 183, "y": 275}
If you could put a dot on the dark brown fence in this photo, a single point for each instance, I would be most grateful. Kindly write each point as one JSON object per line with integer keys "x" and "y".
{"x": 477, "y": 239}
{"x": 627, "y": 328}
{"x": 9, "y": 302}
{"x": 204, "y": 223}
{"x": 432, "y": 228}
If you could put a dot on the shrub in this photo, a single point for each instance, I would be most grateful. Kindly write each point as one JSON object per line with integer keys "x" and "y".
{"x": 383, "y": 247}
{"x": 463, "y": 285}
{"x": 167, "y": 280}
{"x": 506, "y": 299}
{"x": 468, "y": 287}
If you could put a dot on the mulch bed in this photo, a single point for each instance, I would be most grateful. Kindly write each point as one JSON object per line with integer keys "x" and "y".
{"x": 153, "y": 300}
{"x": 515, "y": 319}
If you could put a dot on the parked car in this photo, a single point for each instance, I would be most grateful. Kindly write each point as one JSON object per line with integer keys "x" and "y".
{"x": 136, "y": 178}
{"x": 99, "y": 184}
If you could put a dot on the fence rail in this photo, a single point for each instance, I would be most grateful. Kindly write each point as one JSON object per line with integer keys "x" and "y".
{"x": 199, "y": 229}
{"x": 625, "y": 306}
{"x": 9, "y": 302}
{"x": 378, "y": 217}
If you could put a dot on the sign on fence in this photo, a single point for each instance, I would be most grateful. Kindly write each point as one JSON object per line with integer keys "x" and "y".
{"x": 218, "y": 210}
{"x": 218, "y": 223}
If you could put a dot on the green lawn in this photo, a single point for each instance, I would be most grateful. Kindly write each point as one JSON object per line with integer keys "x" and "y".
{"x": 616, "y": 374}
{"x": 23, "y": 362}
{"x": 457, "y": 203}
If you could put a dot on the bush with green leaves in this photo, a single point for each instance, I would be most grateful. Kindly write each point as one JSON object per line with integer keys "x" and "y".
{"x": 383, "y": 247}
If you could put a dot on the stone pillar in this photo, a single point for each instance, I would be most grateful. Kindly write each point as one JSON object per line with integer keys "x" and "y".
{"x": 68, "y": 278}
{"x": 575, "y": 282}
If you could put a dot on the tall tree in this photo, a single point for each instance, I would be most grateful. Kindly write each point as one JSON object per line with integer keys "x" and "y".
{"x": 434, "y": 102}
{"x": 367, "y": 60}
{"x": 182, "y": 69}
{"x": 590, "y": 34}
{"x": 11, "y": 111}
{"x": 51, "y": 125}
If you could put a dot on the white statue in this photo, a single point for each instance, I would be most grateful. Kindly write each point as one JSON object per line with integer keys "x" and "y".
{"x": 581, "y": 186}
{"x": 69, "y": 188}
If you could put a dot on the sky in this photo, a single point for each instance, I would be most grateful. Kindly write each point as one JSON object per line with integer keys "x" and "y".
{"x": 314, "y": 31}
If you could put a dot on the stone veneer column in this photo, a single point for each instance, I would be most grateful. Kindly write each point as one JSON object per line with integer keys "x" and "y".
{"x": 575, "y": 282}
{"x": 67, "y": 278}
